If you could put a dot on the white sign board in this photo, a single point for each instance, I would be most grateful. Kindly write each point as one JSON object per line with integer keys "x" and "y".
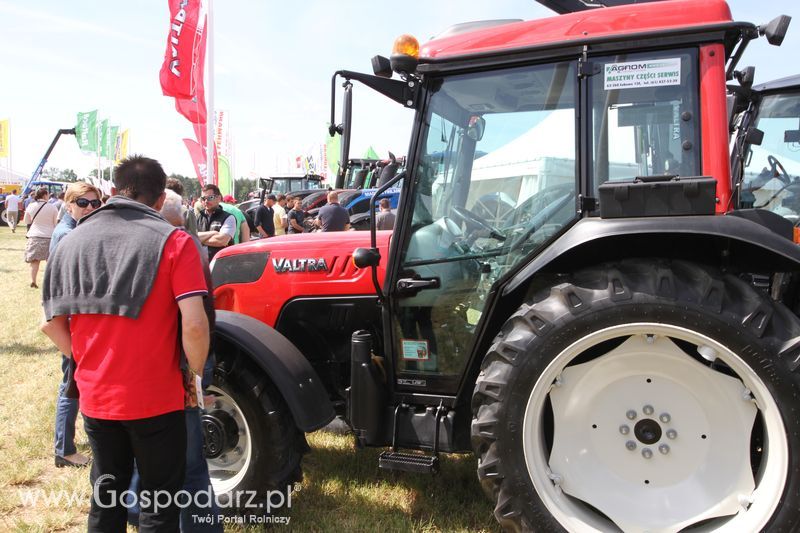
{"x": 645, "y": 73}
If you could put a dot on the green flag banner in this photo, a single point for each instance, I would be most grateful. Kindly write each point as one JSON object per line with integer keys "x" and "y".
{"x": 86, "y": 131}
{"x": 113, "y": 133}
{"x": 333, "y": 147}
{"x": 224, "y": 175}
{"x": 104, "y": 138}
{"x": 371, "y": 153}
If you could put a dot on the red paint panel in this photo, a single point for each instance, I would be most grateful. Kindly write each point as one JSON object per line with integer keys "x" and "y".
{"x": 714, "y": 121}
{"x": 263, "y": 299}
{"x": 636, "y": 18}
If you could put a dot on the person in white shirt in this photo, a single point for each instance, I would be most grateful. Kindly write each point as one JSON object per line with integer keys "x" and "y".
{"x": 279, "y": 210}
{"x": 12, "y": 210}
{"x": 41, "y": 218}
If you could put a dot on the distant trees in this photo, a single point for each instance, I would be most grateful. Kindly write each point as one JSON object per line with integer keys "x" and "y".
{"x": 57, "y": 174}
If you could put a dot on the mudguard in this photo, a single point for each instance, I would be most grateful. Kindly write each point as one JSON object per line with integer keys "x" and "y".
{"x": 745, "y": 235}
{"x": 288, "y": 369}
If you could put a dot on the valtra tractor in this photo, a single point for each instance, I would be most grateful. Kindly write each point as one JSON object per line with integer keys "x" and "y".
{"x": 572, "y": 290}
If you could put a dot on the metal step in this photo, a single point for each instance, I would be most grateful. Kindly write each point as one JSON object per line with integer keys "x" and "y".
{"x": 409, "y": 462}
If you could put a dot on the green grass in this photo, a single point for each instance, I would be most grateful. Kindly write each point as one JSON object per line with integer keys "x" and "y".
{"x": 342, "y": 489}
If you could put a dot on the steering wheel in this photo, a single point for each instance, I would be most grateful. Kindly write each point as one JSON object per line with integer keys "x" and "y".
{"x": 774, "y": 166}
{"x": 475, "y": 222}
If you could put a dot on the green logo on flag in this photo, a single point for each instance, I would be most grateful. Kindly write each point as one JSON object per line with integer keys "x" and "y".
{"x": 86, "y": 131}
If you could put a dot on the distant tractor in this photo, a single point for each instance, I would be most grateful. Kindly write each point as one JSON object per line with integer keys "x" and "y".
{"x": 572, "y": 290}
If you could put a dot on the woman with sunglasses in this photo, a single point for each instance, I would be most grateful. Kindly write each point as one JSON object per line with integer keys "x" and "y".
{"x": 81, "y": 199}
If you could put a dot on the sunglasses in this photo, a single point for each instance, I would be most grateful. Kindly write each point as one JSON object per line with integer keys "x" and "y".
{"x": 208, "y": 198}
{"x": 83, "y": 203}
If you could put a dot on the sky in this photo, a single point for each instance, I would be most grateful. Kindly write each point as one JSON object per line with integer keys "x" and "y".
{"x": 273, "y": 63}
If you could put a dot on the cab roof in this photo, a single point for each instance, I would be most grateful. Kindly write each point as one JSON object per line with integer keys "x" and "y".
{"x": 581, "y": 25}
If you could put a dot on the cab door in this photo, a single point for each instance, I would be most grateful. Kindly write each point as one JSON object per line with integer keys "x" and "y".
{"x": 494, "y": 181}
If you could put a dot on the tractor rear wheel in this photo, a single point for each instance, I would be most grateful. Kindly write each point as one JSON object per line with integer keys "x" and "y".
{"x": 643, "y": 396}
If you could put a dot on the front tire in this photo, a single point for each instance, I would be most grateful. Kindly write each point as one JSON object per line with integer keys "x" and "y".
{"x": 644, "y": 395}
{"x": 252, "y": 445}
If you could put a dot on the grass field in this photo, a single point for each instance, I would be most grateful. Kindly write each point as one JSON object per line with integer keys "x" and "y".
{"x": 342, "y": 490}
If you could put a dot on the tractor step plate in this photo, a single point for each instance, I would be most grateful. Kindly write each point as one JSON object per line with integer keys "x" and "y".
{"x": 408, "y": 462}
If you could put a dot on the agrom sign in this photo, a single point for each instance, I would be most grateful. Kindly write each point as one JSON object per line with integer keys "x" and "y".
{"x": 283, "y": 265}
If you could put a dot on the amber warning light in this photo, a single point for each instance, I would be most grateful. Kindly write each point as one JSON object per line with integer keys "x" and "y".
{"x": 405, "y": 54}
{"x": 406, "y": 45}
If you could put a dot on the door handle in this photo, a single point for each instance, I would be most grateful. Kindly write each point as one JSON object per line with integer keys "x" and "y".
{"x": 413, "y": 286}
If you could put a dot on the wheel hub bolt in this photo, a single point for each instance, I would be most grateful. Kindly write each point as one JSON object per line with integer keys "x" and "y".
{"x": 647, "y": 453}
{"x": 671, "y": 433}
{"x": 648, "y": 409}
{"x": 665, "y": 418}
{"x": 624, "y": 429}
{"x": 631, "y": 414}
{"x": 630, "y": 445}
{"x": 664, "y": 449}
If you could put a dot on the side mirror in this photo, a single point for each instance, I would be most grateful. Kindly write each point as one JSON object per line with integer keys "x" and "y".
{"x": 775, "y": 29}
{"x": 791, "y": 136}
{"x": 382, "y": 67}
{"x": 476, "y": 128}
{"x": 366, "y": 257}
{"x": 754, "y": 136}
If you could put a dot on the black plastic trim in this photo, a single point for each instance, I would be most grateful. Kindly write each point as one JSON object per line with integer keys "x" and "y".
{"x": 291, "y": 373}
{"x": 591, "y": 230}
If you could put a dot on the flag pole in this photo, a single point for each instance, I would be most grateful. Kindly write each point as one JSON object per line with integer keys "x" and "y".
{"x": 211, "y": 171}
{"x": 99, "y": 183}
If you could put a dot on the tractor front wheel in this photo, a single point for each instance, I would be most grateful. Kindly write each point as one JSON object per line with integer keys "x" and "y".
{"x": 253, "y": 447}
{"x": 643, "y": 396}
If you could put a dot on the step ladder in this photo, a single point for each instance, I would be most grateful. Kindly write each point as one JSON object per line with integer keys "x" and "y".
{"x": 412, "y": 461}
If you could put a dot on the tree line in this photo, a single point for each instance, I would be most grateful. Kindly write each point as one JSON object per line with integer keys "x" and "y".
{"x": 191, "y": 186}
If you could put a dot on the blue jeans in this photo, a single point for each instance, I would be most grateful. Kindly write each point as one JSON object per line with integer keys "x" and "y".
{"x": 66, "y": 413}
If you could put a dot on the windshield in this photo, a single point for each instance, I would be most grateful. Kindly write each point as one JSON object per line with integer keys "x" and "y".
{"x": 772, "y": 170}
{"x": 496, "y": 180}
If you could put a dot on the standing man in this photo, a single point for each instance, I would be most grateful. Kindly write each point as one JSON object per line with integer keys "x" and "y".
{"x": 189, "y": 216}
{"x": 12, "y": 210}
{"x": 215, "y": 227}
{"x": 242, "y": 227}
{"x": 124, "y": 272}
{"x": 265, "y": 217}
{"x": 280, "y": 215}
{"x": 295, "y": 217}
{"x": 332, "y": 216}
{"x": 385, "y": 218}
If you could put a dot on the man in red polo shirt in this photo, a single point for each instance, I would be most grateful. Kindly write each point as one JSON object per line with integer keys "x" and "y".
{"x": 117, "y": 293}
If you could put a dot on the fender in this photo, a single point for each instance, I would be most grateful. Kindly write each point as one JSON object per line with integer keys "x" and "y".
{"x": 284, "y": 364}
{"x": 592, "y": 238}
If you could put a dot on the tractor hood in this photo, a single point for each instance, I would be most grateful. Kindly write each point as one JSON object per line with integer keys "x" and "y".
{"x": 258, "y": 278}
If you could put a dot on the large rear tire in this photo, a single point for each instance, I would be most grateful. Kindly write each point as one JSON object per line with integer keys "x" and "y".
{"x": 252, "y": 445}
{"x": 642, "y": 396}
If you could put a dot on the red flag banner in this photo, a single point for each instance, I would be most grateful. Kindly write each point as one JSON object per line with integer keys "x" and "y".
{"x": 198, "y": 154}
{"x": 194, "y": 107}
{"x": 183, "y": 50}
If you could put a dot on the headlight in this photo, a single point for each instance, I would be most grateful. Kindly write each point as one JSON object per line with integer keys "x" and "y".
{"x": 239, "y": 268}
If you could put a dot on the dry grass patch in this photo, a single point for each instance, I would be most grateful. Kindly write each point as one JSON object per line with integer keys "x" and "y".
{"x": 343, "y": 490}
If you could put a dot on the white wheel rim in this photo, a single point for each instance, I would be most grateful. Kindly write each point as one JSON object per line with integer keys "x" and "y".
{"x": 228, "y": 470}
{"x": 585, "y": 464}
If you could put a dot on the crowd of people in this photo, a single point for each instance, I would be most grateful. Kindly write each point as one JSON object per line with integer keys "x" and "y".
{"x": 118, "y": 266}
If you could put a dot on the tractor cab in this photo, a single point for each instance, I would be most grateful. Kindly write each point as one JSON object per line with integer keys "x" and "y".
{"x": 767, "y": 149}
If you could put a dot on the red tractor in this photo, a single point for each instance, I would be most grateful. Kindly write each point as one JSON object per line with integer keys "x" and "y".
{"x": 571, "y": 290}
